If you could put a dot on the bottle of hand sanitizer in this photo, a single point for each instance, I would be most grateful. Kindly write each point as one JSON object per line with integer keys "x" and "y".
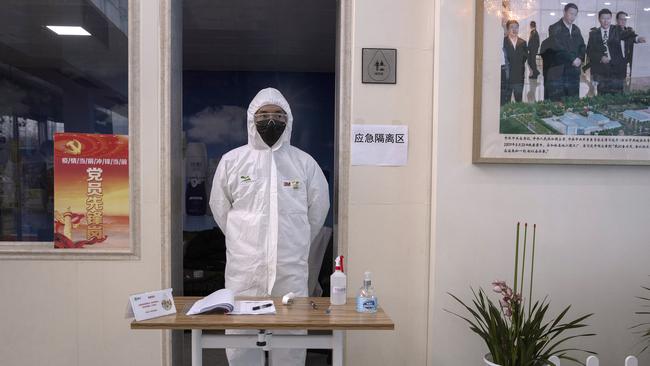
{"x": 366, "y": 300}
{"x": 338, "y": 284}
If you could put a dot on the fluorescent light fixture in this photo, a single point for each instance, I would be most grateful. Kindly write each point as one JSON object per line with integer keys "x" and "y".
{"x": 68, "y": 30}
{"x": 552, "y": 14}
{"x": 646, "y": 9}
{"x": 563, "y": 3}
{"x": 608, "y": 4}
{"x": 591, "y": 14}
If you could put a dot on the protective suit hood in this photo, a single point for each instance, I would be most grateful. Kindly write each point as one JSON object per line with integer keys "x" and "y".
{"x": 266, "y": 97}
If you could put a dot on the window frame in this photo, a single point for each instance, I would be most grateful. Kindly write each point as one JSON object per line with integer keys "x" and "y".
{"x": 44, "y": 250}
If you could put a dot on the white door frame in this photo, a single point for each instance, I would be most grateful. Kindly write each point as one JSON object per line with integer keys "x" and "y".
{"x": 171, "y": 154}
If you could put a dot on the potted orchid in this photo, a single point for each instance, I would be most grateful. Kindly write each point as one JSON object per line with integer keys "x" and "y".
{"x": 517, "y": 330}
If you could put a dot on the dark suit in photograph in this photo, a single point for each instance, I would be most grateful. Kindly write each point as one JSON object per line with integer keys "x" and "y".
{"x": 567, "y": 46}
{"x": 552, "y": 69}
{"x": 609, "y": 76}
{"x": 516, "y": 56}
{"x": 628, "y": 52}
{"x": 506, "y": 93}
{"x": 533, "y": 49}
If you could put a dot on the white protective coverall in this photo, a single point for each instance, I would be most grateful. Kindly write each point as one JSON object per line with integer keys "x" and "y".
{"x": 270, "y": 202}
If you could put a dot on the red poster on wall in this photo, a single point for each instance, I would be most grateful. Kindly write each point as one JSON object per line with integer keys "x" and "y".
{"x": 91, "y": 191}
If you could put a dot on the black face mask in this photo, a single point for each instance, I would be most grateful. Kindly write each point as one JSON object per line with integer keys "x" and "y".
{"x": 270, "y": 130}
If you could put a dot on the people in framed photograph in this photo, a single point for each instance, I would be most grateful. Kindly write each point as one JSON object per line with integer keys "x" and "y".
{"x": 584, "y": 107}
{"x": 628, "y": 45}
{"x": 570, "y": 54}
{"x": 516, "y": 52}
{"x": 606, "y": 53}
{"x": 533, "y": 50}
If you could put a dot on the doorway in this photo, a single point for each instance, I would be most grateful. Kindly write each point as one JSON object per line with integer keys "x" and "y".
{"x": 229, "y": 52}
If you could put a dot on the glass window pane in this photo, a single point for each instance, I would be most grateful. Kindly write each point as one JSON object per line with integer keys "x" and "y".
{"x": 72, "y": 79}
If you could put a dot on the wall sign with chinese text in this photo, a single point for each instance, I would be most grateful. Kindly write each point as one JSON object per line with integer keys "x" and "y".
{"x": 91, "y": 191}
{"x": 380, "y": 145}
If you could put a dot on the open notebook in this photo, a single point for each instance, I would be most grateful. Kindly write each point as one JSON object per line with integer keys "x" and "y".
{"x": 223, "y": 301}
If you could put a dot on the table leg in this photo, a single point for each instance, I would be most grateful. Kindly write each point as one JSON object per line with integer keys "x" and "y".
{"x": 337, "y": 348}
{"x": 197, "y": 347}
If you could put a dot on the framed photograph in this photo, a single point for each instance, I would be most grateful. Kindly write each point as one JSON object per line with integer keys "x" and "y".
{"x": 562, "y": 82}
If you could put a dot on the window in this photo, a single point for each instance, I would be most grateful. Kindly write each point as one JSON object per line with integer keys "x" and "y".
{"x": 63, "y": 68}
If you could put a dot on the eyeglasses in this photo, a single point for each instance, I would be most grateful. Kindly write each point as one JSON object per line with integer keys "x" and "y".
{"x": 279, "y": 116}
{"x": 268, "y": 122}
{"x": 264, "y": 120}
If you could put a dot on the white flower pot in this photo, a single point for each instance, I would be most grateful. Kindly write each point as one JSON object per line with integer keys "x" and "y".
{"x": 487, "y": 359}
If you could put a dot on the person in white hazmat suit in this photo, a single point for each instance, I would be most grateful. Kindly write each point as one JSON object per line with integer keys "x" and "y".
{"x": 270, "y": 199}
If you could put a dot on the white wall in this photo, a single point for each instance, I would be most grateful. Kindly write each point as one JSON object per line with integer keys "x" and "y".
{"x": 389, "y": 207}
{"x": 593, "y": 248}
{"x": 72, "y": 313}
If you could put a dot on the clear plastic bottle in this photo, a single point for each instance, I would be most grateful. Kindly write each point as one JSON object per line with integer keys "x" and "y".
{"x": 366, "y": 300}
{"x": 338, "y": 284}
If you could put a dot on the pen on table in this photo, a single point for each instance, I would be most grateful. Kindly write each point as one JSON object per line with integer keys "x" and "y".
{"x": 262, "y": 306}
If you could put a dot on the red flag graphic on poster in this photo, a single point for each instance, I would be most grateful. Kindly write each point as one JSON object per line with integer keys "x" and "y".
{"x": 91, "y": 191}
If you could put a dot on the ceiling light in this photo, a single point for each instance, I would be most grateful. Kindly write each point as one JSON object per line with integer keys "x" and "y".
{"x": 552, "y": 14}
{"x": 646, "y": 9}
{"x": 591, "y": 14}
{"x": 608, "y": 4}
{"x": 68, "y": 30}
{"x": 563, "y": 3}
